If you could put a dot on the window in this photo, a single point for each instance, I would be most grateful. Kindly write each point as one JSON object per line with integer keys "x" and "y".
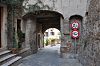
{"x": 46, "y": 33}
{"x": 52, "y": 33}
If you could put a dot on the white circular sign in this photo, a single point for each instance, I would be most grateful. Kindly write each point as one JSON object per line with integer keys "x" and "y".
{"x": 75, "y": 34}
{"x": 75, "y": 25}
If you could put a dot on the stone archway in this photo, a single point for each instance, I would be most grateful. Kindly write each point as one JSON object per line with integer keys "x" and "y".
{"x": 35, "y": 23}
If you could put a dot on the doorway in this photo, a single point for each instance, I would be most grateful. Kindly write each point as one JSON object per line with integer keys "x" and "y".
{"x": 19, "y": 32}
{"x": 1, "y": 17}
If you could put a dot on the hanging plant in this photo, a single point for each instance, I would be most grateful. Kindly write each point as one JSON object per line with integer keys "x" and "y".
{"x": 21, "y": 38}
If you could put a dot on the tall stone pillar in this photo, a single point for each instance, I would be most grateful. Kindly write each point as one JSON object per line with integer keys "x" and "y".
{"x": 30, "y": 37}
{"x": 64, "y": 37}
{"x": 62, "y": 47}
{"x": 10, "y": 28}
{"x": 62, "y": 31}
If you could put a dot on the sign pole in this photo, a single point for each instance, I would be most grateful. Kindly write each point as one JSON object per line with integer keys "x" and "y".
{"x": 75, "y": 48}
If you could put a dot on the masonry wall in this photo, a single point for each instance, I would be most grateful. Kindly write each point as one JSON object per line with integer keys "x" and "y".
{"x": 66, "y": 7}
{"x": 90, "y": 51}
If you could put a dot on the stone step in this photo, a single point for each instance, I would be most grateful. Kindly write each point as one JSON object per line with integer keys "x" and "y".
{"x": 11, "y": 61}
{"x": 4, "y": 52}
{"x": 6, "y": 57}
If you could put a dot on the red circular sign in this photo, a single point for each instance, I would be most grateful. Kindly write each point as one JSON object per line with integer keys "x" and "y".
{"x": 75, "y": 25}
{"x": 75, "y": 34}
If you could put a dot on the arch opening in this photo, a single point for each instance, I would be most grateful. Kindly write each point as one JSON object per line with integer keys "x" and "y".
{"x": 38, "y": 22}
{"x": 52, "y": 37}
{"x": 48, "y": 19}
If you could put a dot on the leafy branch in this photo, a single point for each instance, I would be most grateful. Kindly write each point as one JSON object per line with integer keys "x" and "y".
{"x": 39, "y": 5}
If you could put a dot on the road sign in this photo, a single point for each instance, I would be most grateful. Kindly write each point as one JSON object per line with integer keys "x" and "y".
{"x": 75, "y": 34}
{"x": 75, "y": 25}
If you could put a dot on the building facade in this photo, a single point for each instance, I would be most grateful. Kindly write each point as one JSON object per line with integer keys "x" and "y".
{"x": 3, "y": 26}
{"x": 60, "y": 15}
{"x": 66, "y": 9}
{"x": 52, "y": 35}
{"x": 27, "y": 31}
{"x": 10, "y": 16}
{"x": 29, "y": 28}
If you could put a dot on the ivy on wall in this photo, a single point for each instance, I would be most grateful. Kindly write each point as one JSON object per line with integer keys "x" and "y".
{"x": 15, "y": 9}
{"x": 39, "y": 5}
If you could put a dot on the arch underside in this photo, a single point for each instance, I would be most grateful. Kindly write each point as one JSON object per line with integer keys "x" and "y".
{"x": 45, "y": 19}
{"x": 49, "y": 22}
{"x": 76, "y": 17}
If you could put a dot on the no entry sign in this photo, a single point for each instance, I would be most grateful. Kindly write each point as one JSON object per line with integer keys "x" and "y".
{"x": 75, "y": 34}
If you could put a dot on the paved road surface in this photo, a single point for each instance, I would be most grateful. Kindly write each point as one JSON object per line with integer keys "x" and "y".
{"x": 49, "y": 56}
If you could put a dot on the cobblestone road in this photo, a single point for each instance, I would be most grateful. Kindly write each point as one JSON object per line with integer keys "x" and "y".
{"x": 49, "y": 56}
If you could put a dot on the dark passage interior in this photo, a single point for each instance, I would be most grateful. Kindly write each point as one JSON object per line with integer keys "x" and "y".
{"x": 46, "y": 20}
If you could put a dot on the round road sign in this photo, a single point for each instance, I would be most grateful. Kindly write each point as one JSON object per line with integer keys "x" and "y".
{"x": 75, "y": 25}
{"x": 75, "y": 34}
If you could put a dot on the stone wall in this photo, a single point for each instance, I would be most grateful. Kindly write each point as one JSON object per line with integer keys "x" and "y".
{"x": 30, "y": 37}
{"x": 66, "y": 7}
{"x": 90, "y": 51}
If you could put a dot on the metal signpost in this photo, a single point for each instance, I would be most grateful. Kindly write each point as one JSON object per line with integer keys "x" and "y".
{"x": 75, "y": 34}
